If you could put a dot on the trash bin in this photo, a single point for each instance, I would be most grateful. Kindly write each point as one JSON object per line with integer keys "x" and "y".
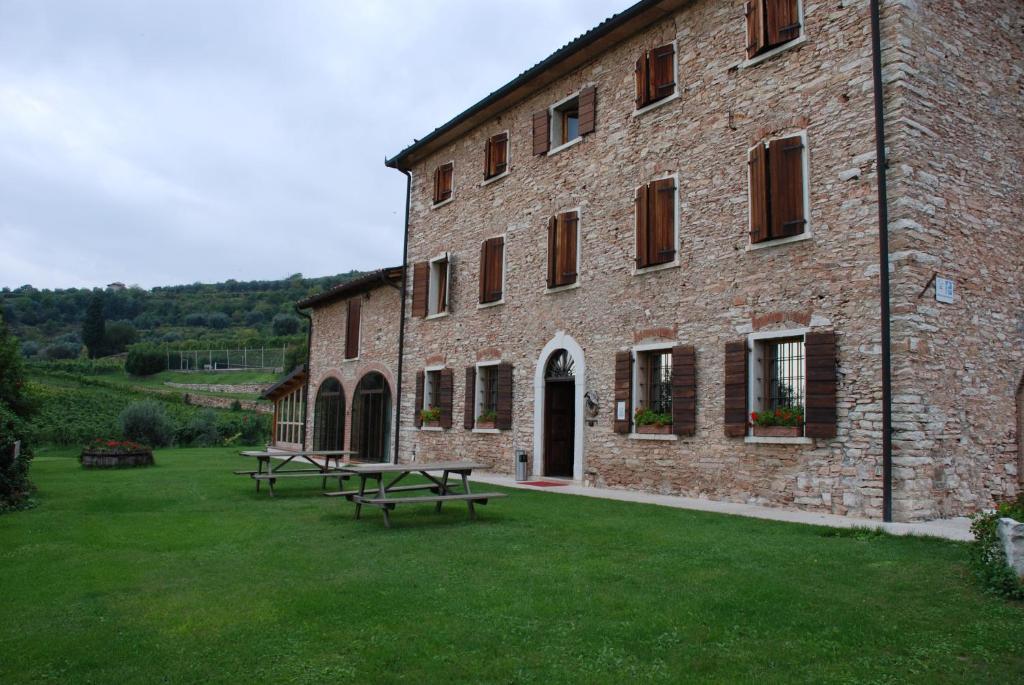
{"x": 521, "y": 465}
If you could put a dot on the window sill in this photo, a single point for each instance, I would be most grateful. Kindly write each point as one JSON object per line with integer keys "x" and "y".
{"x": 442, "y": 203}
{"x": 439, "y": 315}
{"x": 487, "y": 431}
{"x": 492, "y": 179}
{"x": 655, "y": 105}
{"x": 434, "y": 429}
{"x": 488, "y": 305}
{"x": 564, "y": 146}
{"x": 659, "y": 267}
{"x": 653, "y": 436}
{"x": 756, "y": 440}
{"x": 561, "y": 288}
{"x": 350, "y": 359}
{"x": 806, "y": 235}
{"x": 753, "y": 61}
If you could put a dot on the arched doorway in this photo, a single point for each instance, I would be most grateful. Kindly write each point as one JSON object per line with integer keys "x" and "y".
{"x": 559, "y": 414}
{"x": 371, "y": 419}
{"x": 329, "y": 416}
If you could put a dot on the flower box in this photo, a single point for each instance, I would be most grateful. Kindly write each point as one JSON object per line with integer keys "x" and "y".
{"x": 480, "y": 423}
{"x": 778, "y": 431}
{"x": 653, "y": 429}
{"x": 432, "y": 424}
{"x": 92, "y": 458}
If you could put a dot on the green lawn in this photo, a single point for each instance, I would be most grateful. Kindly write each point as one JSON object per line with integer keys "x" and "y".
{"x": 180, "y": 573}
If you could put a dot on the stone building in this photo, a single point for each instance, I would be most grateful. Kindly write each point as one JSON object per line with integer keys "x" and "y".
{"x": 672, "y": 223}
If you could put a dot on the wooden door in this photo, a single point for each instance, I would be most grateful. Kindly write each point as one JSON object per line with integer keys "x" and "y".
{"x": 559, "y": 428}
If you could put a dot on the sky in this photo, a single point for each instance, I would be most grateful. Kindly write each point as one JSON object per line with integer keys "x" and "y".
{"x": 163, "y": 142}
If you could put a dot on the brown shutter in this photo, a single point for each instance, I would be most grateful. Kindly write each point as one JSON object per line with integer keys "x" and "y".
{"x": 417, "y": 419}
{"x": 443, "y": 182}
{"x": 786, "y": 184}
{"x": 552, "y": 252}
{"x": 736, "y": 388}
{"x": 662, "y": 72}
{"x": 498, "y": 157}
{"x": 623, "y": 389}
{"x": 444, "y": 397}
{"x": 642, "y": 225}
{"x": 420, "y": 285}
{"x": 782, "y": 22}
{"x": 588, "y": 110}
{"x": 757, "y": 161}
{"x": 662, "y": 221}
{"x": 495, "y": 269}
{"x": 820, "y": 412}
{"x": 442, "y": 285}
{"x": 641, "y": 81}
{"x": 488, "y": 154}
{"x": 567, "y": 229}
{"x": 755, "y": 27}
{"x": 352, "y": 328}
{"x": 504, "y": 408}
{"x": 437, "y": 185}
{"x": 469, "y": 417}
{"x": 684, "y": 390}
{"x": 482, "y": 285}
{"x": 541, "y": 132}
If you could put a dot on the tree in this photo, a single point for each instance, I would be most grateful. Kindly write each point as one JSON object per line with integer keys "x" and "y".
{"x": 94, "y": 326}
{"x": 120, "y": 334}
{"x": 16, "y": 408}
{"x": 285, "y": 324}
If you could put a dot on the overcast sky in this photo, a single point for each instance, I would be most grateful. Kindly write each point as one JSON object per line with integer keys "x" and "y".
{"x": 161, "y": 142}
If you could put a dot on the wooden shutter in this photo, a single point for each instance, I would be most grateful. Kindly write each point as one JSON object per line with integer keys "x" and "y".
{"x": 755, "y": 27}
{"x": 641, "y": 81}
{"x": 757, "y": 161}
{"x": 503, "y": 379}
{"x": 443, "y": 182}
{"x": 444, "y": 397}
{"x": 488, "y": 154}
{"x": 782, "y": 22}
{"x": 684, "y": 390}
{"x": 736, "y": 370}
{"x": 786, "y": 186}
{"x": 437, "y": 185}
{"x": 469, "y": 416}
{"x": 352, "y": 328}
{"x": 662, "y": 72}
{"x": 662, "y": 222}
{"x": 642, "y": 225}
{"x": 588, "y": 110}
{"x": 417, "y": 419}
{"x": 820, "y": 412}
{"x": 491, "y": 262}
{"x": 623, "y": 390}
{"x": 553, "y": 252}
{"x": 420, "y": 286}
{"x": 566, "y": 251}
{"x": 541, "y": 132}
{"x": 497, "y": 155}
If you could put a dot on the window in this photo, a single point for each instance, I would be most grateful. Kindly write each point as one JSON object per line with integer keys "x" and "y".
{"x": 492, "y": 258}
{"x": 437, "y": 299}
{"x": 771, "y": 23}
{"x": 288, "y": 412}
{"x": 656, "y": 234}
{"x": 431, "y": 389}
{"x": 352, "y": 328}
{"x": 496, "y": 156}
{"x": 781, "y": 373}
{"x": 654, "y": 381}
{"x": 443, "y": 182}
{"x": 778, "y": 196}
{"x": 655, "y": 75}
{"x": 564, "y": 122}
{"x": 486, "y": 392}
{"x": 563, "y": 232}
{"x": 433, "y": 403}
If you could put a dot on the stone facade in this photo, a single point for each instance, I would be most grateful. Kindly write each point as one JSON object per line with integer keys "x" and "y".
{"x": 955, "y": 173}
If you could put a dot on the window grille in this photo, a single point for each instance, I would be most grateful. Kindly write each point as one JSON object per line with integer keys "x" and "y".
{"x": 784, "y": 373}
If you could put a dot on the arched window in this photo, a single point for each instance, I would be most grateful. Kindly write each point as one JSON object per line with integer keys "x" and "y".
{"x": 371, "y": 419}
{"x": 560, "y": 366}
{"x": 329, "y": 416}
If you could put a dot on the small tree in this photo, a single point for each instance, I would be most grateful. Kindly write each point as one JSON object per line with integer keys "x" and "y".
{"x": 146, "y": 422}
{"x": 94, "y": 326}
{"x": 16, "y": 408}
{"x": 285, "y": 324}
{"x": 145, "y": 359}
{"x": 119, "y": 335}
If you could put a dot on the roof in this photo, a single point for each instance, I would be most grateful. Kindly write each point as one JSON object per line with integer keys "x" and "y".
{"x": 391, "y": 275}
{"x": 572, "y": 55}
{"x": 293, "y": 380}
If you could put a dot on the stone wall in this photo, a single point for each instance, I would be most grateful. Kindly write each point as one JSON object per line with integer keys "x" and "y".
{"x": 227, "y": 402}
{"x": 216, "y": 387}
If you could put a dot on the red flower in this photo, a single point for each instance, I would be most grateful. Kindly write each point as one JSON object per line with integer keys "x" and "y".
{"x": 753, "y": 416}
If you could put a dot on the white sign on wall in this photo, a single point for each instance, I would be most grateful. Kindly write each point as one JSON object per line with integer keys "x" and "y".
{"x": 620, "y": 410}
{"x": 944, "y": 289}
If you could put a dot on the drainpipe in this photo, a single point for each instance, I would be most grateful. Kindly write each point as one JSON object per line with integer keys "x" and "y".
{"x": 401, "y": 321}
{"x": 305, "y": 386}
{"x": 883, "y": 263}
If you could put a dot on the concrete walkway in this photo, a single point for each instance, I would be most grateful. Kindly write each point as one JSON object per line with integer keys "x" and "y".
{"x": 950, "y": 529}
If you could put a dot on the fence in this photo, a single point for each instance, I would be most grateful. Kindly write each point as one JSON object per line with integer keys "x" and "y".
{"x": 244, "y": 359}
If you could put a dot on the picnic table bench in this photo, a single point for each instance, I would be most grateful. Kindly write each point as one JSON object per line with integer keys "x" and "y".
{"x": 265, "y": 470}
{"x": 442, "y": 492}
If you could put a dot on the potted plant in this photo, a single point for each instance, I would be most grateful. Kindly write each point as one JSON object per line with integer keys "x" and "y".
{"x": 101, "y": 453}
{"x": 783, "y": 422}
{"x": 431, "y": 417}
{"x": 652, "y": 422}
{"x": 487, "y": 419}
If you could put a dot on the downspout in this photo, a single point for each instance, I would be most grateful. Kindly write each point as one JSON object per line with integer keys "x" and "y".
{"x": 401, "y": 322}
{"x": 305, "y": 388}
{"x": 883, "y": 263}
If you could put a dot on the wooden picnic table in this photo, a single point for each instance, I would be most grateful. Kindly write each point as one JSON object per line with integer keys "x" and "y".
{"x": 441, "y": 491}
{"x": 271, "y": 474}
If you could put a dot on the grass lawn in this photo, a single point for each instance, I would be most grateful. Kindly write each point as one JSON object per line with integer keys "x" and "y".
{"x": 181, "y": 573}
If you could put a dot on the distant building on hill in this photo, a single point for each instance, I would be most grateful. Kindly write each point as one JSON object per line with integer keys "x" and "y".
{"x": 116, "y": 285}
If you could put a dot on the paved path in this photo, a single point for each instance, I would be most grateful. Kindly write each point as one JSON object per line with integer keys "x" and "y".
{"x": 950, "y": 529}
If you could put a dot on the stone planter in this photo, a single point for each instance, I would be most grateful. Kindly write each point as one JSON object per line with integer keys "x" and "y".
{"x": 651, "y": 429}
{"x": 484, "y": 424}
{"x": 778, "y": 431}
{"x": 97, "y": 459}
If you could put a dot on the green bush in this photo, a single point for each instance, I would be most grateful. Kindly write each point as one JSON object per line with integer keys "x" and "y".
{"x": 285, "y": 324}
{"x": 16, "y": 408}
{"x": 145, "y": 360}
{"x": 146, "y": 422}
{"x": 987, "y": 555}
{"x": 252, "y": 428}
{"x": 64, "y": 350}
{"x": 200, "y": 430}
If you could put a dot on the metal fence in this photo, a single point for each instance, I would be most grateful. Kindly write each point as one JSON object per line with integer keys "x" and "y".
{"x": 244, "y": 359}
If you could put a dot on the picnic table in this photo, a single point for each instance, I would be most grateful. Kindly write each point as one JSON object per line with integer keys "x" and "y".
{"x": 265, "y": 470}
{"x": 439, "y": 488}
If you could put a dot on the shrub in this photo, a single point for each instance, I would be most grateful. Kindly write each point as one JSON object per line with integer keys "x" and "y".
{"x": 29, "y": 348}
{"x": 252, "y": 428}
{"x": 145, "y": 360}
{"x": 987, "y": 555}
{"x": 64, "y": 350}
{"x": 119, "y": 335}
{"x": 146, "y": 422}
{"x": 285, "y": 324}
{"x": 218, "y": 320}
{"x": 236, "y": 406}
{"x": 200, "y": 430}
{"x": 195, "y": 319}
{"x": 16, "y": 408}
